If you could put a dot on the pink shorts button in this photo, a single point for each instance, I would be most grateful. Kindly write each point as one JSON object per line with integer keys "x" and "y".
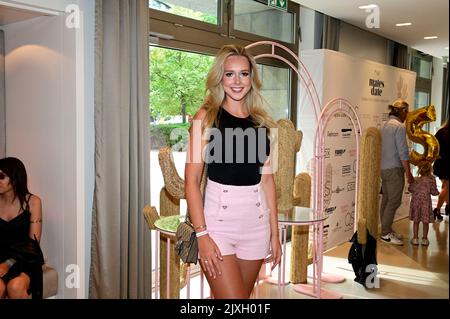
{"x": 238, "y": 220}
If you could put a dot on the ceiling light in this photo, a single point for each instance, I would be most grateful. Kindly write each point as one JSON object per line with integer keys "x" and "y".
{"x": 369, "y": 6}
{"x": 431, "y": 37}
{"x": 403, "y": 24}
{"x": 446, "y": 48}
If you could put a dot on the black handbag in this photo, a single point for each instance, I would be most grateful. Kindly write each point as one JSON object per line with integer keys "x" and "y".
{"x": 363, "y": 259}
{"x": 187, "y": 245}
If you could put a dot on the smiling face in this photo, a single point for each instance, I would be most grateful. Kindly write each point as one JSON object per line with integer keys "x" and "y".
{"x": 236, "y": 79}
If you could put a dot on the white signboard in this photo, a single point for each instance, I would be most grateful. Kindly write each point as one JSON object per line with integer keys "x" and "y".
{"x": 370, "y": 87}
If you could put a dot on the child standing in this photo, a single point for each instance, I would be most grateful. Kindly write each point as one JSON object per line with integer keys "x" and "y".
{"x": 421, "y": 209}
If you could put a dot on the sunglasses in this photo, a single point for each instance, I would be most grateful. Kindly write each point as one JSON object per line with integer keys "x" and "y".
{"x": 3, "y": 176}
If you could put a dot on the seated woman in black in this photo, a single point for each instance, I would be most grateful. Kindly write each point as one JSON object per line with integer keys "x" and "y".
{"x": 20, "y": 230}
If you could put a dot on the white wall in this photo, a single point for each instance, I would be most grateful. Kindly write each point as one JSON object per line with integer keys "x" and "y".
{"x": 85, "y": 133}
{"x": 57, "y": 5}
{"x": 41, "y": 129}
{"x": 362, "y": 44}
{"x": 67, "y": 120}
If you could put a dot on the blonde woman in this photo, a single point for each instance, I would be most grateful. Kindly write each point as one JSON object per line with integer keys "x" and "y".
{"x": 236, "y": 223}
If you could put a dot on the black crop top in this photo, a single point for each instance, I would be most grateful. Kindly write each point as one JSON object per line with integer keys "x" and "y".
{"x": 236, "y": 151}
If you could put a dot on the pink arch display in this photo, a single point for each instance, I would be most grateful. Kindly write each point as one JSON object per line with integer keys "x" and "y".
{"x": 322, "y": 117}
{"x": 301, "y": 71}
{"x": 336, "y": 105}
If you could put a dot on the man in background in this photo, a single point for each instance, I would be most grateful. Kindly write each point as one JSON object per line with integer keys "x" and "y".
{"x": 394, "y": 166}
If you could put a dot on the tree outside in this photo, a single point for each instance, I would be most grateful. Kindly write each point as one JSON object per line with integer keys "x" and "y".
{"x": 177, "y": 78}
{"x": 177, "y": 82}
{"x": 177, "y": 90}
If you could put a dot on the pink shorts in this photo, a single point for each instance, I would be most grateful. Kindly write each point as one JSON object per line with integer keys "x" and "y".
{"x": 238, "y": 221}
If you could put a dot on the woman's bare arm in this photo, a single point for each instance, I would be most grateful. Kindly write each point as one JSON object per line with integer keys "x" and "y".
{"x": 36, "y": 217}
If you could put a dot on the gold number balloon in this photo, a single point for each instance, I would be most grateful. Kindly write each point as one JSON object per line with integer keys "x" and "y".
{"x": 414, "y": 122}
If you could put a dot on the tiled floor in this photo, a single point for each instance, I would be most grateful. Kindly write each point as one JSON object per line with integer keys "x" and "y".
{"x": 405, "y": 272}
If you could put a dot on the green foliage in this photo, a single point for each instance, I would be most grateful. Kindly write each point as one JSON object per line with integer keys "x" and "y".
{"x": 160, "y": 135}
{"x": 196, "y": 15}
{"x": 209, "y": 19}
{"x": 177, "y": 82}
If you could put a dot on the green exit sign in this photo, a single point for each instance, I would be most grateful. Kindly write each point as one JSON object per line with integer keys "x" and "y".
{"x": 278, "y": 4}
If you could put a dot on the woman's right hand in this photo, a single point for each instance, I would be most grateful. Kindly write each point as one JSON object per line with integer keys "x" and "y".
{"x": 209, "y": 255}
{"x": 4, "y": 268}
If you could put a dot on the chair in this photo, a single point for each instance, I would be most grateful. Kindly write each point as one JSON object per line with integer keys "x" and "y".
{"x": 50, "y": 282}
{"x": 170, "y": 196}
{"x": 293, "y": 191}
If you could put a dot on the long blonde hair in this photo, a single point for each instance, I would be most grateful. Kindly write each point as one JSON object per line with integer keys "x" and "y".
{"x": 253, "y": 101}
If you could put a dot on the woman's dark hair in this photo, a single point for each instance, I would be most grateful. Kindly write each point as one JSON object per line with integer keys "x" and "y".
{"x": 14, "y": 168}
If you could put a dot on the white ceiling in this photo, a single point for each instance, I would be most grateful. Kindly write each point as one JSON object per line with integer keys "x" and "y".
{"x": 11, "y": 15}
{"x": 428, "y": 18}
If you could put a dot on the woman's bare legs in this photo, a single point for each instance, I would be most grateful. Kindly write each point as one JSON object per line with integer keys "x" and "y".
{"x": 443, "y": 195}
{"x": 237, "y": 279}
{"x": 2, "y": 289}
{"x": 18, "y": 286}
{"x": 425, "y": 230}
{"x": 250, "y": 270}
{"x": 415, "y": 229}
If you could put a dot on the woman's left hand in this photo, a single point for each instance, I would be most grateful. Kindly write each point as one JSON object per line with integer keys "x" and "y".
{"x": 276, "y": 251}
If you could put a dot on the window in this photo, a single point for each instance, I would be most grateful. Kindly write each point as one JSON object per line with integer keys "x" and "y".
{"x": 422, "y": 64}
{"x": 422, "y": 99}
{"x": 259, "y": 19}
{"x": 199, "y": 24}
{"x": 422, "y": 67}
{"x": 204, "y": 26}
{"x": 276, "y": 90}
{"x": 205, "y": 11}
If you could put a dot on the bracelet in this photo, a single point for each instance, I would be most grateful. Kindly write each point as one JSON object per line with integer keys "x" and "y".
{"x": 202, "y": 233}
{"x": 10, "y": 262}
{"x": 200, "y": 227}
